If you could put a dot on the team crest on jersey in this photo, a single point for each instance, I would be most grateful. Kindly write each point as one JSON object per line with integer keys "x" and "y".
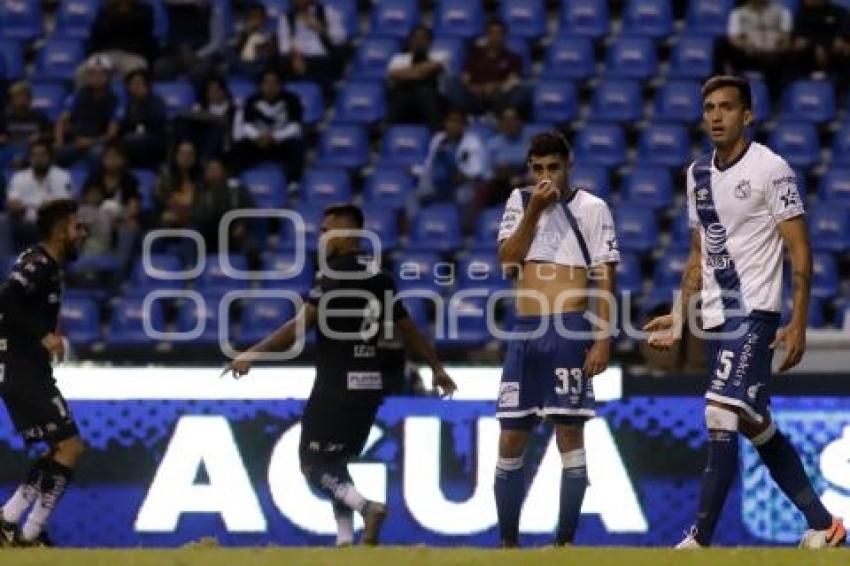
{"x": 743, "y": 189}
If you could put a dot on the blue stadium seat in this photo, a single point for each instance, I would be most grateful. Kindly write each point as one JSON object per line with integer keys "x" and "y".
{"x": 601, "y": 144}
{"x": 436, "y": 228}
{"x": 631, "y": 58}
{"x": 487, "y": 229}
{"x": 343, "y": 145}
{"x": 348, "y": 11}
{"x": 797, "y": 142}
{"x": 815, "y": 319}
{"x": 417, "y": 309}
{"x": 325, "y": 186}
{"x": 241, "y": 88}
{"x": 668, "y": 145}
{"x": 841, "y": 146}
{"x": 214, "y": 280}
{"x": 453, "y": 49}
{"x": 648, "y": 186}
{"x": 188, "y": 319}
{"x": 463, "y": 19}
{"x": 12, "y": 59}
{"x": 680, "y": 230}
{"x": 290, "y": 277}
{"x": 178, "y": 96}
{"x": 592, "y": 178}
{"x": 629, "y": 278}
{"x": 824, "y": 276}
{"x": 160, "y": 20}
{"x": 384, "y": 223}
{"x": 617, "y": 101}
{"x": 20, "y": 20}
{"x": 481, "y": 270}
{"x": 361, "y": 102}
{"x": 147, "y": 187}
{"x": 519, "y": 46}
{"x": 405, "y": 146}
{"x": 49, "y": 97}
{"x": 678, "y": 101}
{"x": 372, "y": 57}
{"x": 471, "y": 316}
{"x": 667, "y": 276}
{"x": 311, "y": 97}
{"x": 570, "y": 58}
{"x": 809, "y": 100}
{"x": 276, "y": 8}
{"x": 267, "y": 186}
{"x": 843, "y": 317}
{"x": 261, "y": 317}
{"x": 76, "y": 17}
{"x": 692, "y": 57}
{"x": 393, "y": 18}
{"x": 834, "y": 186}
{"x": 525, "y": 18}
{"x": 80, "y": 321}
{"x": 311, "y": 221}
{"x": 651, "y": 18}
{"x": 585, "y": 18}
{"x": 142, "y": 283}
{"x": 829, "y": 226}
{"x": 422, "y": 271}
{"x": 762, "y": 107}
{"x": 126, "y": 323}
{"x": 389, "y": 187}
{"x": 555, "y": 101}
{"x": 79, "y": 172}
{"x": 709, "y": 17}
{"x": 637, "y": 228}
{"x": 59, "y": 58}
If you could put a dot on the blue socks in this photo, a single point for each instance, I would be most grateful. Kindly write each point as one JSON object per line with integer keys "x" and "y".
{"x": 509, "y": 488}
{"x": 573, "y": 488}
{"x": 716, "y": 481}
{"x": 787, "y": 471}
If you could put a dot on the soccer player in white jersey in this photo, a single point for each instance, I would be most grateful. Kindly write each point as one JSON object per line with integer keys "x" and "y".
{"x": 561, "y": 239}
{"x": 743, "y": 205}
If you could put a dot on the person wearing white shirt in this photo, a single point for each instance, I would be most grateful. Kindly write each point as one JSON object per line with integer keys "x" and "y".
{"x": 31, "y": 187}
{"x": 414, "y": 89}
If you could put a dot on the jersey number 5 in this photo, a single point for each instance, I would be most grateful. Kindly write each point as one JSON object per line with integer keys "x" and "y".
{"x": 725, "y": 363}
{"x": 569, "y": 381}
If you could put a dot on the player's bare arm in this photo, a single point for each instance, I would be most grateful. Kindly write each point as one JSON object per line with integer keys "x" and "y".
{"x": 513, "y": 250}
{"x": 667, "y": 330}
{"x": 418, "y": 344}
{"x": 599, "y": 354}
{"x": 279, "y": 340}
{"x": 796, "y": 238}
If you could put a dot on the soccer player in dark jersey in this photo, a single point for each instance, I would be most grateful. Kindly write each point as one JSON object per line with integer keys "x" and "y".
{"x": 355, "y": 299}
{"x": 29, "y": 312}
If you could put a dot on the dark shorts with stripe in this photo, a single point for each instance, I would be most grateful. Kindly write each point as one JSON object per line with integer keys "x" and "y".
{"x": 334, "y": 430}
{"x": 38, "y": 411}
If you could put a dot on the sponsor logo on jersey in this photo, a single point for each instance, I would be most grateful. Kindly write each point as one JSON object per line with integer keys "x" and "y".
{"x": 715, "y": 245}
{"x": 365, "y": 381}
{"x": 702, "y": 193}
{"x": 509, "y": 394}
{"x": 790, "y": 198}
{"x": 743, "y": 189}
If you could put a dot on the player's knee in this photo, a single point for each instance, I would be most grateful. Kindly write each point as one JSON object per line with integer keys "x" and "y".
{"x": 569, "y": 437}
{"x": 512, "y": 444}
{"x": 721, "y": 418}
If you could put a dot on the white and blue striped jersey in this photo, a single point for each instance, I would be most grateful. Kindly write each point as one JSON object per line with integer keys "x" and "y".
{"x": 737, "y": 209}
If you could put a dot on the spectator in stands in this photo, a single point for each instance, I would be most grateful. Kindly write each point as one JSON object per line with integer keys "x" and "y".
{"x": 143, "y": 121}
{"x": 193, "y": 49}
{"x": 759, "y": 39}
{"x": 310, "y": 36}
{"x": 414, "y": 81}
{"x": 507, "y": 155}
{"x": 124, "y": 31}
{"x": 269, "y": 128}
{"x": 20, "y": 125}
{"x": 210, "y": 122}
{"x": 456, "y": 162}
{"x": 109, "y": 234}
{"x": 255, "y": 44}
{"x": 177, "y": 186}
{"x": 31, "y": 187}
{"x": 817, "y": 35}
{"x": 90, "y": 118}
{"x": 119, "y": 186}
{"x": 490, "y": 79}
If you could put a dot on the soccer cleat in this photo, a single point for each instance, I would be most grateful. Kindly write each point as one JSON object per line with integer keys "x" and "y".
{"x": 373, "y": 520}
{"x": 835, "y": 535}
{"x": 8, "y": 532}
{"x": 41, "y": 541}
{"x": 690, "y": 541}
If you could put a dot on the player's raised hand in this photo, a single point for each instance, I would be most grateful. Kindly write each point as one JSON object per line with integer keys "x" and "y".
{"x": 793, "y": 337}
{"x": 444, "y": 384}
{"x": 664, "y": 331}
{"x": 240, "y": 366}
{"x": 545, "y": 194}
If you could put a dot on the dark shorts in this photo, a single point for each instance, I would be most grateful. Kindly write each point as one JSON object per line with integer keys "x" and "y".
{"x": 39, "y": 412}
{"x": 740, "y": 368}
{"x": 334, "y": 430}
{"x": 543, "y": 376}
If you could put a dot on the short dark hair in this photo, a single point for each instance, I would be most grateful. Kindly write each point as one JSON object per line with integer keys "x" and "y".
{"x": 137, "y": 73}
{"x": 722, "y": 81}
{"x": 52, "y": 213}
{"x": 550, "y": 143}
{"x": 41, "y": 142}
{"x": 350, "y": 211}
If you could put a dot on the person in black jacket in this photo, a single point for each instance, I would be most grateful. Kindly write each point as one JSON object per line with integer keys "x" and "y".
{"x": 269, "y": 128}
{"x": 142, "y": 123}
